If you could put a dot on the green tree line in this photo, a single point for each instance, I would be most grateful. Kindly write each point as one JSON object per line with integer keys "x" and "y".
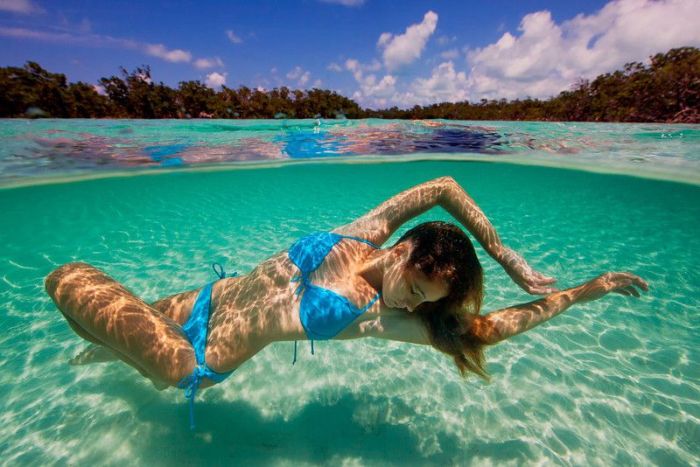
{"x": 665, "y": 90}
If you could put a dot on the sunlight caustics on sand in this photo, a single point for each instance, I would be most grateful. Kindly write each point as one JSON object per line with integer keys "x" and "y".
{"x": 616, "y": 381}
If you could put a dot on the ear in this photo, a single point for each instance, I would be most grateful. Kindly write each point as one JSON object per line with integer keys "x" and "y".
{"x": 400, "y": 249}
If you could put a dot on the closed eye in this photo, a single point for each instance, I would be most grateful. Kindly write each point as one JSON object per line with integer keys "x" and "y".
{"x": 418, "y": 292}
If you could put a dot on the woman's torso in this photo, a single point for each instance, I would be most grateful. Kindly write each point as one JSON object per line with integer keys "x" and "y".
{"x": 251, "y": 311}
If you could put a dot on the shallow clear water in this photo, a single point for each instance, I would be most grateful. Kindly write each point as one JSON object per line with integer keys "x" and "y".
{"x": 34, "y": 150}
{"x": 615, "y": 381}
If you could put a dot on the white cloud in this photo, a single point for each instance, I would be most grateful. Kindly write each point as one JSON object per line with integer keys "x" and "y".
{"x": 98, "y": 40}
{"x": 449, "y": 54}
{"x": 384, "y": 39}
{"x": 334, "y": 67}
{"x": 350, "y": 3}
{"x": 174, "y": 55}
{"x": 88, "y": 40}
{"x": 358, "y": 69}
{"x": 215, "y": 80}
{"x": 382, "y": 88}
{"x": 374, "y": 66}
{"x": 547, "y": 58}
{"x": 204, "y": 63}
{"x": 377, "y": 95}
{"x": 300, "y": 75}
{"x": 405, "y": 48}
{"x": 22, "y": 33}
{"x": 233, "y": 37}
{"x": 353, "y": 65}
{"x": 541, "y": 59}
{"x": 372, "y": 92}
{"x": 99, "y": 89}
{"x": 25, "y": 7}
{"x": 295, "y": 73}
{"x": 444, "y": 85}
{"x": 444, "y": 40}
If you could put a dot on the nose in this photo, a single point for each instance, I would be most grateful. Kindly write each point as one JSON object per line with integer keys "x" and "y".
{"x": 413, "y": 303}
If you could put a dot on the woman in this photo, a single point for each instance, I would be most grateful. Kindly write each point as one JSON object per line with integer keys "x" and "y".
{"x": 425, "y": 289}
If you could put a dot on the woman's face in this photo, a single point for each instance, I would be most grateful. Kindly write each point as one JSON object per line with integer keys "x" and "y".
{"x": 404, "y": 286}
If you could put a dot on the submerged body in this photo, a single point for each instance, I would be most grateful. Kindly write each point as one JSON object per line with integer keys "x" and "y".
{"x": 249, "y": 312}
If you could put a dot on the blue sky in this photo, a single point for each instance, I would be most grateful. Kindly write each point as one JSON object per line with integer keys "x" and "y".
{"x": 380, "y": 53}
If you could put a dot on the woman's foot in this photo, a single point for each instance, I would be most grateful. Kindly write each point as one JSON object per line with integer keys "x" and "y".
{"x": 94, "y": 353}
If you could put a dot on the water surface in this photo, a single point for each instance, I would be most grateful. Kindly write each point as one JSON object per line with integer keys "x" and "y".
{"x": 36, "y": 150}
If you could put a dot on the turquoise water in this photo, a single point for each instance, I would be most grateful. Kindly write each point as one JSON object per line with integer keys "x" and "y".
{"x": 36, "y": 150}
{"x": 616, "y": 381}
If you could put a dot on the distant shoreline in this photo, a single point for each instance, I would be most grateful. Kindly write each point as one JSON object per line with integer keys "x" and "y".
{"x": 667, "y": 90}
{"x": 312, "y": 119}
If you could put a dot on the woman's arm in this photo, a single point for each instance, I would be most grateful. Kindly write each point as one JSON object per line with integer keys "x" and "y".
{"x": 381, "y": 222}
{"x": 396, "y": 325}
{"x": 502, "y": 324}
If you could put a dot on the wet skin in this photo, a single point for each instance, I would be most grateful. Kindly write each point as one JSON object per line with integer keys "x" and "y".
{"x": 252, "y": 311}
{"x": 247, "y": 312}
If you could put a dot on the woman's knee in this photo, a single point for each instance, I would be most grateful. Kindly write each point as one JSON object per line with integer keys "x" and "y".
{"x": 103, "y": 309}
{"x": 176, "y": 366}
{"x": 59, "y": 277}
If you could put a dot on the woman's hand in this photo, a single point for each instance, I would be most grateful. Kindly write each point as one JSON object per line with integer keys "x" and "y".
{"x": 624, "y": 283}
{"x": 522, "y": 274}
{"x": 502, "y": 324}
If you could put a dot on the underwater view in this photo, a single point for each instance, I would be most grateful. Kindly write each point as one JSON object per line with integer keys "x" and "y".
{"x": 154, "y": 203}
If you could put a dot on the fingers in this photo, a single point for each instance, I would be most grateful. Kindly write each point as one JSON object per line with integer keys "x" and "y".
{"x": 536, "y": 284}
{"x": 541, "y": 284}
{"x": 540, "y": 290}
{"x": 629, "y": 290}
{"x": 641, "y": 283}
{"x": 626, "y": 283}
{"x": 633, "y": 279}
{"x": 630, "y": 281}
{"x": 542, "y": 279}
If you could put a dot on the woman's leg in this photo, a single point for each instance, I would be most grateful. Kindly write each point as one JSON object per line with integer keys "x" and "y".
{"x": 176, "y": 307}
{"x": 102, "y": 311}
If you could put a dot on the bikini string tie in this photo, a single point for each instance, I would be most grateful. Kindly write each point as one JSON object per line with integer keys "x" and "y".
{"x": 220, "y": 271}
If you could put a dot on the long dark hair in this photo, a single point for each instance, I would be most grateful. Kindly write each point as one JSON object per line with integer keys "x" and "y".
{"x": 443, "y": 250}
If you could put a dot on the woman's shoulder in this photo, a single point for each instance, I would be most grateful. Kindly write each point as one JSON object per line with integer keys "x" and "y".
{"x": 366, "y": 229}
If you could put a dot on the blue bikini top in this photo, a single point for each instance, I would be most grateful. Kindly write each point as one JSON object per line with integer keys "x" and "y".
{"x": 323, "y": 312}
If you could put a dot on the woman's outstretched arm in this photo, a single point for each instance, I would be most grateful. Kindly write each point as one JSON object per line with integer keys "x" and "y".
{"x": 502, "y": 324}
{"x": 381, "y": 222}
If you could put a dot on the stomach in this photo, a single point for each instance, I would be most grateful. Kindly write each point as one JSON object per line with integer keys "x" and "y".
{"x": 613, "y": 381}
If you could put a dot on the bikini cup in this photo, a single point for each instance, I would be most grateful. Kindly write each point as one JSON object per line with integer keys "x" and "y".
{"x": 323, "y": 312}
